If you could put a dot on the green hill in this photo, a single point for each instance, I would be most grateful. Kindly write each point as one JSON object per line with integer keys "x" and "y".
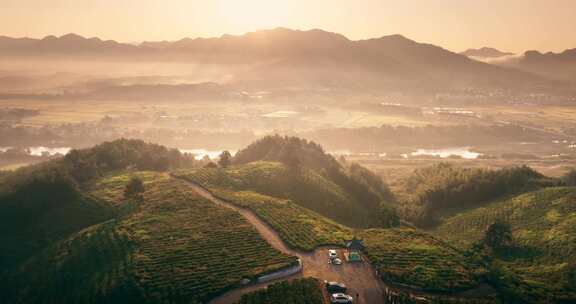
{"x": 71, "y": 234}
{"x": 544, "y": 236}
{"x": 171, "y": 246}
{"x": 304, "y": 187}
{"x": 402, "y": 256}
{"x": 365, "y": 190}
{"x": 432, "y": 193}
{"x": 38, "y": 206}
{"x": 45, "y": 203}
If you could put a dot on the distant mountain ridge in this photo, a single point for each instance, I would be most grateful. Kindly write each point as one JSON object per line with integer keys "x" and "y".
{"x": 485, "y": 52}
{"x": 68, "y": 43}
{"x": 274, "y": 42}
{"x": 569, "y": 54}
{"x": 552, "y": 65}
{"x": 295, "y": 57}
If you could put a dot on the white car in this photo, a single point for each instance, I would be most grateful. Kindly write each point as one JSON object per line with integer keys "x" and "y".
{"x": 340, "y": 298}
{"x": 336, "y": 261}
{"x": 332, "y": 253}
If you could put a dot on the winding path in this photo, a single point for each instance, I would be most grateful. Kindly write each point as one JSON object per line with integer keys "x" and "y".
{"x": 360, "y": 278}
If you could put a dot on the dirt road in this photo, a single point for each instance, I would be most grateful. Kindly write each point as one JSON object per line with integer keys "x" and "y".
{"x": 360, "y": 278}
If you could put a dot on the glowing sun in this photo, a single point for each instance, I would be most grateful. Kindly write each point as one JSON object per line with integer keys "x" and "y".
{"x": 249, "y": 15}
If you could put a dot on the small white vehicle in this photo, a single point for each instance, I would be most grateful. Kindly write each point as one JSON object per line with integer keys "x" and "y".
{"x": 332, "y": 253}
{"x": 336, "y": 261}
{"x": 340, "y": 298}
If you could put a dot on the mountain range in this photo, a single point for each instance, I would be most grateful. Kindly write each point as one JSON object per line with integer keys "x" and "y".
{"x": 300, "y": 57}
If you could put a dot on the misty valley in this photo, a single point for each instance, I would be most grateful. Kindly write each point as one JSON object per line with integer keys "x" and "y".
{"x": 285, "y": 166}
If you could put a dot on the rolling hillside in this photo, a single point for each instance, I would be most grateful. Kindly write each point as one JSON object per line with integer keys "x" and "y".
{"x": 172, "y": 246}
{"x": 433, "y": 193}
{"x": 306, "y": 187}
{"x": 45, "y": 203}
{"x": 306, "y": 162}
{"x": 72, "y": 234}
{"x": 38, "y": 206}
{"x": 413, "y": 258}
{"x": 402, "y": 256}
{"x": 300, "y": 227}
{"x": 544, "y": 236}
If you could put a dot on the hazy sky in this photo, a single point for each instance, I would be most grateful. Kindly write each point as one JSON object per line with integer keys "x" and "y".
{"x": 513, "y": 25}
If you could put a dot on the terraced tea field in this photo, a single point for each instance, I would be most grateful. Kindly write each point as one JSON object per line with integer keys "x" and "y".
{"x": 300, "y": 291}
{"x": 305, "y": 188}
{"x": 537, "y": 217}
{"x": 414, "y": 258}
{"x": 172, "y": 247}
{"x": 299, "y": 227}
{"x": 96, "y": 263}
{"x": 544, "y": 233}
{"x": 402, "y": 256}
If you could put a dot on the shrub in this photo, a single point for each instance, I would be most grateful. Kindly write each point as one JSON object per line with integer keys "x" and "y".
{"x": 498, "y": 235}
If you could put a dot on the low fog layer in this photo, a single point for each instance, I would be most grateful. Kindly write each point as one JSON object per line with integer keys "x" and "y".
{"x": 388, "y": 97}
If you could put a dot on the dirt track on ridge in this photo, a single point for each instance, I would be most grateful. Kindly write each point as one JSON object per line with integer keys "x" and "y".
{"x": 360, "y": 278}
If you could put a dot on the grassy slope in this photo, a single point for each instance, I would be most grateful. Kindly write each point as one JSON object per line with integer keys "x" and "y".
{"x": 401, "y": 255}
{"x": 544, "y": 230}
{"x": 306, "y": 188}
{"x": 174, "y": 246}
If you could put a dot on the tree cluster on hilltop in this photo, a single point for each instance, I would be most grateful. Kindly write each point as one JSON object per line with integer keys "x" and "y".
{"x": 79, "y": 166}
{"x": 122, "y": 154}
{"x": 281, "y": 148}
